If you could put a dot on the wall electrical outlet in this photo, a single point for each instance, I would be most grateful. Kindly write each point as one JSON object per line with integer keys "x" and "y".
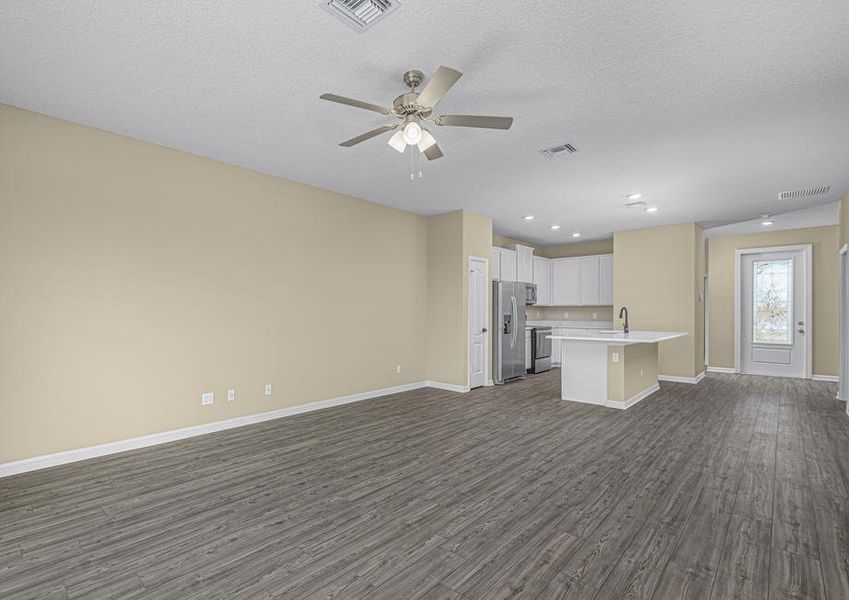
{"x": 615, "y": 357}
{"x": 398, "y": 368}
{"x": 565, "y": 314}
{"x": 267, "y": 389}
{"x": 207, "y": 398}
{"x": 231, "y": 395}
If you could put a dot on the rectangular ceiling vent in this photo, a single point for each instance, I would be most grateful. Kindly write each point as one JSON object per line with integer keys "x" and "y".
{"x": 360, "y": 14}
{"x": 559, "y": 150}
{"x": 814, "y": 191}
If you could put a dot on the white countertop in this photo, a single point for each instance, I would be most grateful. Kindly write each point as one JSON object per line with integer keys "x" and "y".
{"x": 623, "y": 339}
{"x": 569, "y": 324}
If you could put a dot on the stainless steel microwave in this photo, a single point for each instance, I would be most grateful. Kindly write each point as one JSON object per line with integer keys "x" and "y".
{"x": 530, "y": 293}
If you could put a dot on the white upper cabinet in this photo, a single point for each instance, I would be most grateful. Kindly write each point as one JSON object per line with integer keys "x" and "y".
{"x": 581, "y": 281}
{"x": 542, "y": 279}
{"x": 524, "y": 263}
{"x": 495, "y": 264}
{"x": 508, "y": 265}
{"x": 589, "y": 281}
{"x": 566, "y": 281}
{"x": 605, "y": 280}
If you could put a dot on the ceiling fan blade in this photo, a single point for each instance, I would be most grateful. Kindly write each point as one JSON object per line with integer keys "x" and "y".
{"x": 440, "y": 83}
{"x": 474, "y": 121}
{"x": 357, "y": 103}
{"x": 368, "y": 135}
{"x": 433, "y": 152}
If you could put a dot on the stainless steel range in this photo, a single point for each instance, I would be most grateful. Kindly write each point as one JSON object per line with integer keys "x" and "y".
{"x": 540, "y": 349}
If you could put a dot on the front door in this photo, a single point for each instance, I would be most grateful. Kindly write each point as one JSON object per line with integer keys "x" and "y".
{"x": 477, "y": 323}
{"x": 774, "y": 304}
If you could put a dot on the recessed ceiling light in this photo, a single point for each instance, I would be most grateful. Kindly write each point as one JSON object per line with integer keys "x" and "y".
{"x": 634, "y": 196}
{"x": 651, "y": 209}
{"x": 576, "y": 234}
{"x": 555, "y": 226}
{"x": 528, "y": 217}
{"x": 767, "y": 223}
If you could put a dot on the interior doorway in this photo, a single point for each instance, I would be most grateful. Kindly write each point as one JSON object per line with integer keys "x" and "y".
{"x": 477, "y": 321}
{"x": 773, "y": 311}
{"x": 843, "y": 308}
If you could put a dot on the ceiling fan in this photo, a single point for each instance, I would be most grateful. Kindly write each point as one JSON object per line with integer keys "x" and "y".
{"x": 413, "y": 109}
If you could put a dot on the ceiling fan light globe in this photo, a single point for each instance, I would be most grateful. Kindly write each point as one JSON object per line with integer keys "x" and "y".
{"x": 397, "y": 142}
{"x": 426, "y": 141}
{"x": 412, "y": 133}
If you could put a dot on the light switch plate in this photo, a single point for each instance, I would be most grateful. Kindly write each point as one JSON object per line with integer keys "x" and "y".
{"x": 207, "y": 398}
{"x": 615, "y": 357}
{"x": 231, "y": 395}
{"x": 267, "y": 389}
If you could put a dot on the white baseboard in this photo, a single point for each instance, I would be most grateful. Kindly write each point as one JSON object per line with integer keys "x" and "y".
{"x": 620, "y": 405}
{"x": 634, "y": 399}
{"x": 678, "y": 379}
{"x": 489, "y": 383}
{"x": 584, "y": 401}
{"x": 450, "y": 387}
{"x": 61, "y": 458}
{"x": 825, "y": 378}
{"x": 721, "y": 370}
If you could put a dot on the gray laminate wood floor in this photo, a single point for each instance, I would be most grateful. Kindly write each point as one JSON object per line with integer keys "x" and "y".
{"x": 734, "y": 488}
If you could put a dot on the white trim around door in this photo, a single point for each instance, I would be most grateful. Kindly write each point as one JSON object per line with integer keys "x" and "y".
{"x": 477, "y": 331}
{"x": 843, "y": 320}
{"x": 807, "y": 251}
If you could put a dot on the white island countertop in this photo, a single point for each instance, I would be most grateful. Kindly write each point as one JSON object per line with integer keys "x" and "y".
{"x": 620, "y": 338}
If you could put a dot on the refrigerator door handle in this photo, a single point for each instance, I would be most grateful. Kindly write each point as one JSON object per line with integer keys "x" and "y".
{"x": 515, "y": 319}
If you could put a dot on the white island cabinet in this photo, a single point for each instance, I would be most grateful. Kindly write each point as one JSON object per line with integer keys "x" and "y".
{"x": 609, "y": 368}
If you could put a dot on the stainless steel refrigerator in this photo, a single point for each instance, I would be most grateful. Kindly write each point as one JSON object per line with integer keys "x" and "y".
{"x": 508, "y": 340}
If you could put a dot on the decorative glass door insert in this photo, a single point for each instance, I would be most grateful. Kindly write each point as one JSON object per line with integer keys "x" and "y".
{"x": 772, "y": 298}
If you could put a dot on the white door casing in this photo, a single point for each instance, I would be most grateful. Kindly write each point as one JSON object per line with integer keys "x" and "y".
{"x": 772, "y": 313}
{"x": 843, "y": 308}
{"x": 478, "y": 286}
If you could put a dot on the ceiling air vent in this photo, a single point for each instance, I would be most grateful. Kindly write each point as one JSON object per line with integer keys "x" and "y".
{"x": 360, "y": 14}
{"x": 814, "y": 191}
{"x": 559, "y": 150}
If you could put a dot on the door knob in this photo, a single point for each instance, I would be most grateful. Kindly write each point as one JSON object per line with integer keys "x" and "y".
{"x": 801, "y": 330}
{"x": 483, "y": 330}
{"x": 801, "y": 322}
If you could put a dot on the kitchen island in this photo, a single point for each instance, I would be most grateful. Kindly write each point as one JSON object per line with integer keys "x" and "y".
{"x": 610, "y": 368}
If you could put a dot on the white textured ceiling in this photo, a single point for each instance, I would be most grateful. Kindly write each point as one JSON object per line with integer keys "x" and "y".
{"x": 710, "y": 108}
{"x": 814, "y": 216}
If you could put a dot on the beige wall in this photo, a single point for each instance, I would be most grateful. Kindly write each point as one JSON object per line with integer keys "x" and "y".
{"x": 654, "y": 272}
{"x": 135, "y": 277}
{"x": 452, "y": 238}
{"x": 445, "y": 295}
{"x": 721, "y": 251}
{"x": 635, "y": 372}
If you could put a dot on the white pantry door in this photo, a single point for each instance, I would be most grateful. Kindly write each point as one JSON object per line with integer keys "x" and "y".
{"x": 477, "y": 322}
{"x": 774, "y": 300}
